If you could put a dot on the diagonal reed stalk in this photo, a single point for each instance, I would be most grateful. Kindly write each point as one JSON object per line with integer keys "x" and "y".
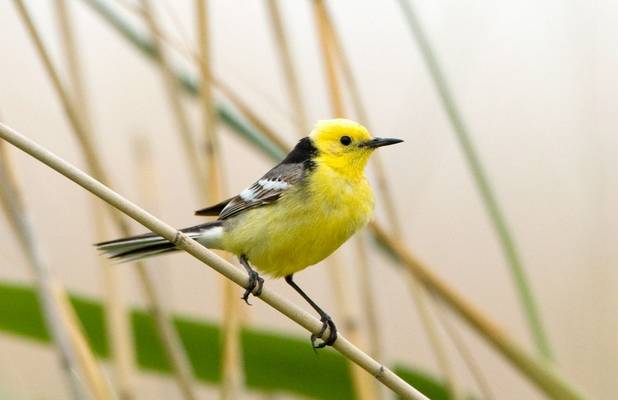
{"x": 231, "y": 387}
{"x": 365, "y": 389}
{"x": 418, "y": 295}
{"x": 168, "y": 334}
{"x": 271, "y": 147}
{"x": 61, "y": 330}
{"x": 537, "y": 371}
{"x": 543, "y": 376}
{"x": 183, "y": 242}
{"x": 121, "y": 343}
{"x": 173, "y": 96}
{"x": 484, "y": 187}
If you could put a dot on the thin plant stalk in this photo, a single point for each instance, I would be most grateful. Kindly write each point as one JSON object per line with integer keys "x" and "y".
{"x": 327, "y": 51}
{"x": 464, "y": 351}
{"x": 231, "y": 387}
{"x": 543, "y": 375}
{"x": 369, "y": 305}
{"x": 365, "y": 389}
{"x": 183, "y": 242}
{"x": 287, "y": 65}
{"x": 437, "y": 345}
{"x": 481, "y": 323}
{"x": 100, "y": 385}
{"x": 118, "y": 327}
{"x": 223, "y": 88}
{"x": 529, "y": 305}
{"x": 226, "y": 115}
{"x": 209, "y": 115}
{"x": 169, "y": 339}
{"x": 12, "y": 203}
{"x": 172, "y": 90}
{"x": 249, "y": 114}
{"x": 231, "y": 325}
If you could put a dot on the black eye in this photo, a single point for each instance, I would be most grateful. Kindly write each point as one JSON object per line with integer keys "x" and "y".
{"x": 345, "y": 140}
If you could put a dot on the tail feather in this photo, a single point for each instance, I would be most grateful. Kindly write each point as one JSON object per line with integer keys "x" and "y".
{"x": 147, "y": 245}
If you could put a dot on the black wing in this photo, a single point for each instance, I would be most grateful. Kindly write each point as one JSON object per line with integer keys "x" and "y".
{"x": 267, "y": 190}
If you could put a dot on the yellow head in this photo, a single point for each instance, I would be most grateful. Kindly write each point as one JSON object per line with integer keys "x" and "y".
{"x": 345, "y": 145}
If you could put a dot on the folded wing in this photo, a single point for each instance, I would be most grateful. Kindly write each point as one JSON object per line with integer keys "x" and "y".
{"x": 267, "y": 190}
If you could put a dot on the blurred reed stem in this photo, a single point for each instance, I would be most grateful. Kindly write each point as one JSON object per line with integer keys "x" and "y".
{"x": 101, "y": 387}
{"x": 169, "y": 338}
{"x": 227, "y": 116}
{"x": 231, "y": 386}
{"x": 208, "y": 180}
{"x": 387, "y": 199}
{"x": 58, "y": 327}
{"x": 183, "y": 242}
{"x": 287, "y": 66}
{"x": 483, "y": 325}
{"x": 226, "y": 90}
{"x": 475, "y": 370}
{"x": 118, "y": 330}
{"x": 484, "y": 187}
{"x": 537, "y": 371}
{"x": 209, "y": 115}
{"x": 196, "y": 165}
{"x": 365, "y": 389}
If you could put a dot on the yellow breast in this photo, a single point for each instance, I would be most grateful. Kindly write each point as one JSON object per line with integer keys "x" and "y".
{"x": 308, "y": 223}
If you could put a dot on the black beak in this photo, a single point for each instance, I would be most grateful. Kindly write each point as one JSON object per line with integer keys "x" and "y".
{"x": 379, "y": 142}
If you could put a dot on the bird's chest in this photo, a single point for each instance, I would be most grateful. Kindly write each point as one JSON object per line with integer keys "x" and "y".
{"x": 343, "y": 204}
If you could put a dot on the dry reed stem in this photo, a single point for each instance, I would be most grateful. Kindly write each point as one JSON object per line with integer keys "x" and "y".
{"x": 385, "y": 192}
{"x": 172, "y": 89}
{"x": 232, "y": 385}
{"x": 287, "y": 65}
{"x": 537, "y": 371}
{"x": 466, "y": 354}
{"x": 327, "y": 51}
{"x": 183, "y": 242}
{"x": 486, "y": 191}
{"x": 226, "y": 90}
{"x": 466, "y": 310}
{"x": 19, "y": 219}
{"x": 232, "y": 375}
{"x": 169, "y": 339}
{"x": 94, "y": 375}
{"x": 209, "y": 116}
{"x": 116, "y": 315}
{"x": 250, "y": 115}
{"x": 365, "y": 390}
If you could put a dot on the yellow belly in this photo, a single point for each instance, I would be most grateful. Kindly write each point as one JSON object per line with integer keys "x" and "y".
{"x": 303, "y": 227}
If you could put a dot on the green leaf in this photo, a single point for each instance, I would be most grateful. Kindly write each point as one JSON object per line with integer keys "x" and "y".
{"x": 273, "y": 362}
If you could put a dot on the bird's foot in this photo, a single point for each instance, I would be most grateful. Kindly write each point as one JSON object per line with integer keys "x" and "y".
{"x": 254, "y": 287}
{"x": 327, "y": 323}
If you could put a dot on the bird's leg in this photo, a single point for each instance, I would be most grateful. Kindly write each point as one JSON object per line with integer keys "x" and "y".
{"x": 327, "y": 321}
{"x": 255, "y": 280}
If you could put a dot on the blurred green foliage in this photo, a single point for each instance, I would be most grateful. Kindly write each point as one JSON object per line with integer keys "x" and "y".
{"x": 273, "y": 362}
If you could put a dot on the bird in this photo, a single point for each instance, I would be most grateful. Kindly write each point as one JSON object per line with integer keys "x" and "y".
{"x": 293, "y": 217}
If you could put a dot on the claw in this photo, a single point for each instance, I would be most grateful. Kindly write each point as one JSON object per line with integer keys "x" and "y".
{"x": 255, "y": 285}
{"x": 327, "y": 322}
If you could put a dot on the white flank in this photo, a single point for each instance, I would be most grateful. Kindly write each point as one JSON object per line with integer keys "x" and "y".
{"x": 273, "y": 185}
{"x": 210, "y": 237}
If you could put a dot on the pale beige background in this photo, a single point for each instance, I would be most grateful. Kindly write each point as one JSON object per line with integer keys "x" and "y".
{"x": 536, "y": 82}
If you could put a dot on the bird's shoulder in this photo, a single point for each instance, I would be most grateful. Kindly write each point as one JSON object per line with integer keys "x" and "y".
{"x": 266, "y": 190}
{"x": 269, "y": 188}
